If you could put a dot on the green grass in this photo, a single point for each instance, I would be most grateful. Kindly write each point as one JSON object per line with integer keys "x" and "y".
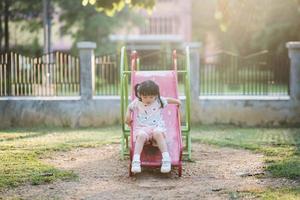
{"x": 21, "y": 150}
{"x": 281, "y": 194}
{"x": 281, "y": 147}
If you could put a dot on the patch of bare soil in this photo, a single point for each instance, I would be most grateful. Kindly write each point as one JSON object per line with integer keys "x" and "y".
{"x": 216, "y": 173}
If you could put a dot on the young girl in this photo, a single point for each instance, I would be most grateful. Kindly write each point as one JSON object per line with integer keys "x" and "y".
{"x": 150, "y": 124}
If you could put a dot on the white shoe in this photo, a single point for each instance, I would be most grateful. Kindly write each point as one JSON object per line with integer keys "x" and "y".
{"x": 136, "y": 166}
{"x": 165, "y": 166}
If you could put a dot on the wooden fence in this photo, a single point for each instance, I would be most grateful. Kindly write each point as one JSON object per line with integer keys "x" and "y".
{"x": 53, "y": 74}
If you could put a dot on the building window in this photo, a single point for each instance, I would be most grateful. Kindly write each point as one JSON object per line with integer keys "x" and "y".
{"x": 166, "y": 1}
{"x": 161, "y": 26}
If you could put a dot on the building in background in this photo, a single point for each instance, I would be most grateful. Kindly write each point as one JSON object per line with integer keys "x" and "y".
{"x": 169, "y": 23}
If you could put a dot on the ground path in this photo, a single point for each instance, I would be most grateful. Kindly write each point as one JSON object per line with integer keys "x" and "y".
{"x": 216, "y": 173}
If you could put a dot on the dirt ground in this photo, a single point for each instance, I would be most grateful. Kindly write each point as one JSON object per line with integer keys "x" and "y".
{"x": 216, "y": 173}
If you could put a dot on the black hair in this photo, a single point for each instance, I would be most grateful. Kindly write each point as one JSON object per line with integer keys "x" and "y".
{"x": 147, "y": 88}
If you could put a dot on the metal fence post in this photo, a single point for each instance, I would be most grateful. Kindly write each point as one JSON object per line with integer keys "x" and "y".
{"x": 87, "y": 69}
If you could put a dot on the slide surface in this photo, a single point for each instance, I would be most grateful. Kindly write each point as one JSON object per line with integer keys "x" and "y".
{"x": 167, "y": 81}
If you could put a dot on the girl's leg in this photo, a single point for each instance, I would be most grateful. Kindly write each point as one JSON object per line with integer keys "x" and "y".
{"x": 166, "y": 160}
{"x": 139, "y": 144}
{"x": 160, "y": 140}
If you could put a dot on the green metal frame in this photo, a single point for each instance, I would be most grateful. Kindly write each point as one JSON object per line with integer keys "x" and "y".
{"x": 124, "y": 73}
{"x": 186, "y": 129}
{"x": 124, "y": 102}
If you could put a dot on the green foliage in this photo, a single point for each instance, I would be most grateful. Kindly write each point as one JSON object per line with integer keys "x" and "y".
{"x": 27, "y": 14}
{"x": 282, "y": 24}
{"x": 244, "y": 26}
{"x": 110, "y": 7}
{"x": 82, "y": 22}
{"x": 29, "y": 11}
{"x": 85, "y": 23}
{"x": 32, "y": 49}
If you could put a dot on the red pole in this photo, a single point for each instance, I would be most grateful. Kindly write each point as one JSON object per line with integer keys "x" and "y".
{"x": 175, "y": 60}
{"x": 133, "y": 60}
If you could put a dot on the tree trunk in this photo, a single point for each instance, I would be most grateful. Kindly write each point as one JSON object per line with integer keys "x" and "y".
{"x": 47, "y": 37}
{"x": 6, "y": 24}
{"x": 6, "y": 45}
{"x": 1, "y": 30}
{"x": 47, "y": 26}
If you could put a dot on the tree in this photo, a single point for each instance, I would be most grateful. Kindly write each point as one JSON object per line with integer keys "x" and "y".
{"x": 244, "y": 26}
{"x": 110, "y": 7}
{"x": 282, "y": 24}
{"x": 89, "y": 17}
{"x": 30, "y": 12}
{"x": 85, "y": 23}
{"x": 1, "y": 29}
{"x": 16, "y": 11}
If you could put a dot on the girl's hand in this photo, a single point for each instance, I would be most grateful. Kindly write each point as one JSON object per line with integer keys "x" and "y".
{"x": 128, "y": 121}
{"x": 174, "y": 101}
{"x": 179, "y": 103}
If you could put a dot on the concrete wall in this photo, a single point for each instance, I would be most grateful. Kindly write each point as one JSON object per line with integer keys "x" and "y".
{"x": 89, "y": 111}
{"x": 74, "y": 112}
{"x": 259, "y": 112}
{"x": 67, "y": 112}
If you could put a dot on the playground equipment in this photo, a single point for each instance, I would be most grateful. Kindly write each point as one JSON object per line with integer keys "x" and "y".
{"x": 167, "y": 81}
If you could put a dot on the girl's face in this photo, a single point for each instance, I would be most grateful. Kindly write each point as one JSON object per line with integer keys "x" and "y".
{"x": 147, "y": 100}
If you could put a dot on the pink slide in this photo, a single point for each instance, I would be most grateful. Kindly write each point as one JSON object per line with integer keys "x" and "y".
{"x": 151, "y": 156}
